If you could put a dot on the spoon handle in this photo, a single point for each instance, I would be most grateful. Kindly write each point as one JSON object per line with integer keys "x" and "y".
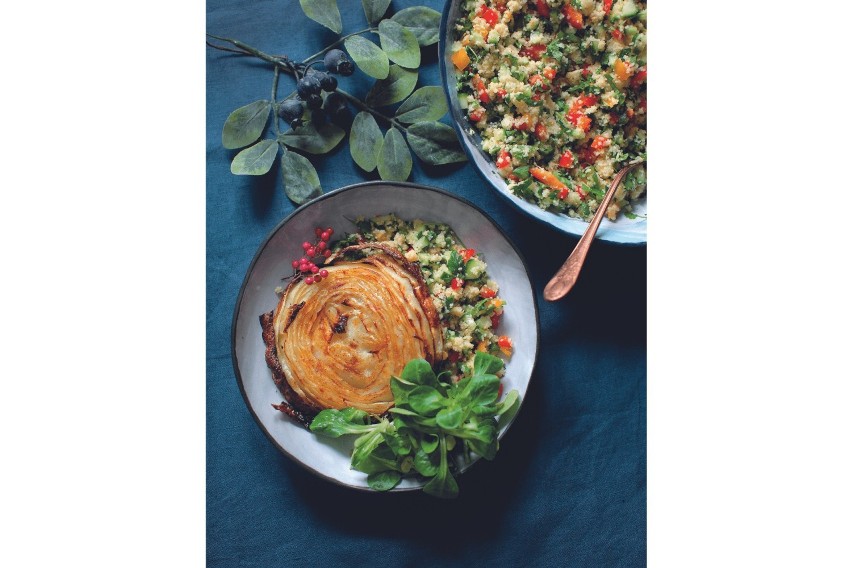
{"x": 566, "y": 276}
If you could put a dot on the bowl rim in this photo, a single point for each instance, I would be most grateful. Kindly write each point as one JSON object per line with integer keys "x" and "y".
{"x": 615, "y": 236}
{"x": 262, "y": 247}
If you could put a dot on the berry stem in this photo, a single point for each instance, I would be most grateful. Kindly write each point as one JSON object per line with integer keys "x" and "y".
{"x": 284, "y": 62}
{"x": 364, "y": 106}
{"x": 338, "y": 42}
{"x": 275, "y": 74}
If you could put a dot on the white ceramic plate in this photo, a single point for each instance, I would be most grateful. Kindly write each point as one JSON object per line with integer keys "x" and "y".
{"x": 330, "y": 458}
{"x": 622, "y": 231}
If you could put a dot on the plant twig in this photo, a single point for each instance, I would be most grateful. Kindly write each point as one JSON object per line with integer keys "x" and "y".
{"x": 275, "y": 74}
{"x": 364, "y": 106}
{"x": 338, "y": 42}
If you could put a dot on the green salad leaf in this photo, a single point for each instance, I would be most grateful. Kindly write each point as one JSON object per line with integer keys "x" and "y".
{"x": 435, "y": 424}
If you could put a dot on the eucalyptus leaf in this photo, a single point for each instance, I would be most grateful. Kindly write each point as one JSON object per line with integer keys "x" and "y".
{"x": 245, "y": 125}
{"x": 365, "y": 141}
{"x": 314, "y": 139}
{"x": 324, "y": 12}
{"x": 301, "y": 182}
{"x": 368, "y": 56}
{"x": 394, "y": 159}
{"x": 423, "y": 22}
{"x": 399, "y": 43}
{"x": 383, "y": 480}
{"x": 435, "y": 143}
{"x": 255, "y": 160}
{"x": 375, "y": 10}
{"x": 424, "y": 104}
{"x": 393, "y": 89}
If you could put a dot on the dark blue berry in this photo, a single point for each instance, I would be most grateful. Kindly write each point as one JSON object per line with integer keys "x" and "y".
{"x": 334, "y": 105}
{"x": 313, "y": 101}
{"x": 308, "y": 86}
{"x": 327, "y": 82}
{"x": 335, "y": 61}
{"x": 290, "y": 110}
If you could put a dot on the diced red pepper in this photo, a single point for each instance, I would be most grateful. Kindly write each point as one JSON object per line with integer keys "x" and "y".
{"x": 495, "y": 321}
{"x": 505, "y": 344}
{"x": 501, "y": 93}
{"x": 542, "y": 8}
{"x": 467, "y": 254}
{"x": 479, "y": 85}
{"x": 534, "y": 51}
{"x": 618, "y": 34}
{"x": 607, "y": 6}
{"x": 549, "y": 72}
{"x": 541, "y": 132}
{"x": 500, "y": 391}
{"x": 453, "y": 356}
{"x": 456, "y": 283}
{"x": 581, "y": 192}
{"x": 588, "y": 100}
{"x": 500, "y": 5}
{"x": 613, "y": 118}
{"x": 522, "y": 124}
{"x": 513, "y": 177}
{"x": 563, "y": 193}
{"x": 487, "y": 292}
{"x": 574, "y": 17}
{"x": 504, "y": 159}
{"x": 536, "y": 80}
{"x": 586, "y": 71}
{"x": 490, "y": 15}
{"x": 640, "y": 77}
{"x": 547, "y": 178}
{"x": 477, "y": 115}
{"x": 566, "y": 160}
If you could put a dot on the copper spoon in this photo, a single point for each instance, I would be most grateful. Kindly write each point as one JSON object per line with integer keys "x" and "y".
{"x": 566, "y": 276}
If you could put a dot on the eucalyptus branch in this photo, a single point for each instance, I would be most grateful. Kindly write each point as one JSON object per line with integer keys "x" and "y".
{"x": 338, "y": 42}
{"x": 364, "y": 106}
{"x": 284, "y": 62}
{"x": 275, "y": 74}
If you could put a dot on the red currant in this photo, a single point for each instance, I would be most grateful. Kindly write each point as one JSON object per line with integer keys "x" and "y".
{"x": 330, "y": 231}
{"x": 306, "y": 245}
{"x": 321, "y": 246}
{"x": 318, "y": 231}
{"x": 314, "y": 269}
{"x": 326, "y": 253}
{"x": 317, "y": 278}
{"x": 309, "y": 280}
{"x": 325, "y": 235}
{"x": 303, "y": 260}
{"x": 295, "y": 264}
{"x": 323, "y": 273}
{"x": 311, "y": 251}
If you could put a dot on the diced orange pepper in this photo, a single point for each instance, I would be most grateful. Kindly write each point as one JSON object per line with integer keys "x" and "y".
{"x": 460, "y": 59}
{"x": 549, "y": 72}
{"x": 574, "y": 17}
{"x": 546, "y": 178}
{"x": 621, "y": 70}
{"x": 584, "y": 123}
{"x": 541, "y": 132}
{"x": 600, "y": 142}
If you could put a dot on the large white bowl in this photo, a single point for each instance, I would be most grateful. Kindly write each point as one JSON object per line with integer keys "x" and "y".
{"x": 621, "y": 231}
{"x": 330, "y": 458}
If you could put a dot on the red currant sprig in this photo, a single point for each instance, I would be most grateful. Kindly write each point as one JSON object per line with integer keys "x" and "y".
{"x": 306, "y": 264}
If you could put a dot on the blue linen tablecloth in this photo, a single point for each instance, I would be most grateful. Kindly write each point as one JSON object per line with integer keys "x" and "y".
{"x": 568, "y": 485}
